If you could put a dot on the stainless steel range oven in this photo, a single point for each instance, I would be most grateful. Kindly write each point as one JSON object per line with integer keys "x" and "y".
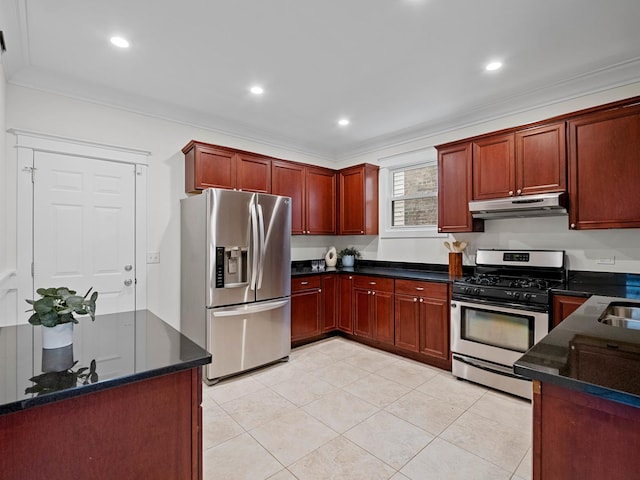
{"x": 500, "y": 312}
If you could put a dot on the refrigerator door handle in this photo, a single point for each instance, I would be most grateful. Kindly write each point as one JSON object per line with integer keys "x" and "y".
{"x": 262, "y": 247}
{"x": 262, "y": 307}
{"x": 254, "y": 250}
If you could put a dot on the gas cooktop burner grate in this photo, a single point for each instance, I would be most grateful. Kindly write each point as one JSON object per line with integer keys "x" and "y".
{"x": 507, "y": 282}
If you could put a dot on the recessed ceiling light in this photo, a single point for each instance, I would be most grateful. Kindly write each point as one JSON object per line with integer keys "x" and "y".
{"x": 343, "y": 122}
{"x": 256, "y": 90}
{"x": 120, "y": 42}
{"x": 493, "y": 66}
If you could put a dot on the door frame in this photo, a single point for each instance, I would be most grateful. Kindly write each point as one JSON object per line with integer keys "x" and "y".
{"x": 27, "y": 144}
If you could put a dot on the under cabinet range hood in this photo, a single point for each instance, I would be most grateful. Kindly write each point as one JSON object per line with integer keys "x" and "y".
{"x": 540, "y": 205}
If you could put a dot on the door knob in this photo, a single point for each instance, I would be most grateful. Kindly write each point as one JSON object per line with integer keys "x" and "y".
{"x": 128, "y": 282}
{"x": 128, "y": 268}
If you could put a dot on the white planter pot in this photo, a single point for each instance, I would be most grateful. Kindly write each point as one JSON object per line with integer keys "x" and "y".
{"x": 58, "y": 336}
{"x": 348, "y": 260}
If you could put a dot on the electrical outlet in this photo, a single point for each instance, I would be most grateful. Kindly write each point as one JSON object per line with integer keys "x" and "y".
{"x": 153, "y": 257}
{"x": 607, "y": 261}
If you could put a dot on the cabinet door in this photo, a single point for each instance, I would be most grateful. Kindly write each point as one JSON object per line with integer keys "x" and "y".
{"x": 604, "y": 169}
{"x": 434, "y": 327}
{"x": 362, "y": 315}
{"x": 563, "y": 306}
{"x": 329, "y": 302}
{"x": 541, "y": 160}
{"x": 358, "y": 200}
{"x": 320, "y": 201}
{"x": 208, "y": 167}
{"x": 305, "y": 314}
{"x": 455, "y": 189}
{"x": 345, "y": 317}
{"x": 494, "y": 167}
{"x": 382, "y": 306}
{"x": 253, "y": 173}
{"x": 288, "y": 179}
{"x": 407, "y": 315}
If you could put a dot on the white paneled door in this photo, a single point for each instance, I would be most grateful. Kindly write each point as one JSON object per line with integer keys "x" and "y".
{"x": 84, "y": 227}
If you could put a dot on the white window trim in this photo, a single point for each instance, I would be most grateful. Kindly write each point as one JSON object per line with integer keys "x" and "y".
{"x": 385, "y": 214}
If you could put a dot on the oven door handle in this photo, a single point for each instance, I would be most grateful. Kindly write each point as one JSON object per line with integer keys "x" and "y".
{"x": 489, "y": 367}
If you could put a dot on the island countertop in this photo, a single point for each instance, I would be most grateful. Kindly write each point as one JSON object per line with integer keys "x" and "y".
{"x": 124, "y": 348}
{"x": 588, "y": 356}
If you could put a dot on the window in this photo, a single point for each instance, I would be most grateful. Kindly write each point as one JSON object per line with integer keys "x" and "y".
{"x": 414, "y": 197}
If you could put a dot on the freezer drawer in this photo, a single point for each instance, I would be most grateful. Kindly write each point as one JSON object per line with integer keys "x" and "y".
{"x": 243, "y": 337}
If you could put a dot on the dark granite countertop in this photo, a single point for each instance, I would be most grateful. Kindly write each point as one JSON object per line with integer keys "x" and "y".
{"x": 586, "y": 355}
{"x": 398, "y": 270}
{"x": 585, "y": 284}
{"x": 121, "y": 348}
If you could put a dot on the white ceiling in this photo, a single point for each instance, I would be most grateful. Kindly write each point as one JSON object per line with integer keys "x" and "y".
{"x": 398, "y": 69}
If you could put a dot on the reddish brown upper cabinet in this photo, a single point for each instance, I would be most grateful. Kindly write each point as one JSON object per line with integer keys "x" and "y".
{"x": 358, "y": 202}
{"x": 528, "y": 161}
{"x": 604, "y": 169}
{"x": 373, "y": 308}
{"x": 306, "y": 307}
{"x": 422, "y": 319}
{"x": 313, "y": 196}
{"x": 494, "y": 173}
{"x": 541, "y": 159}
{"x": 211, "y": 166}
{"x": 455, "y": 189}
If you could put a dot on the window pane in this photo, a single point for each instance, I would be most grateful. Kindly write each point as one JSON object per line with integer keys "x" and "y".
{"x": 415, "y": 181}
{"x": 418, "y": 211}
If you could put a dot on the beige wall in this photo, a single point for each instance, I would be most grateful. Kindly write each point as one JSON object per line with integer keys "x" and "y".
{"x": 54, "y": 114}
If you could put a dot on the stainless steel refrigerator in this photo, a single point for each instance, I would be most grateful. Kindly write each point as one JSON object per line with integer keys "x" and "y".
{"x": 236, "y": 278}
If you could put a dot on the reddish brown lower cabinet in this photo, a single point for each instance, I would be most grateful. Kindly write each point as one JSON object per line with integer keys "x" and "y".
{"x": 147, "y": 429}
{"x": 306, "y": 307}
{"x": 563, "y": 306}
{"x": 329, "y": 286}
{"x": 422, "y": 319}
{"x": 345, "y": 303}
{"x": 373, "y": 308}
{"x": 577, "y": 435}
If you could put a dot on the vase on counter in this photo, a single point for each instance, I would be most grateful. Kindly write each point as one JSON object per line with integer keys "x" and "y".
{"x": 58, "y": 336}
{"x": 331, "y": 258}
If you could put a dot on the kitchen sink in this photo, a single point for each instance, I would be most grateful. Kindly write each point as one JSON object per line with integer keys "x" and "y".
{"x": 622, "y": 314}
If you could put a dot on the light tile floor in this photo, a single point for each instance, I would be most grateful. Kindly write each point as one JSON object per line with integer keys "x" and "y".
{"x": 341, "y": 410}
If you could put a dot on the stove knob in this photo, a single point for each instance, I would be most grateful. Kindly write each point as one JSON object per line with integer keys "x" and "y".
{"x": 516, "y": 294}
{"x": 476, "y": 291}
{"x": 527, "y": 296}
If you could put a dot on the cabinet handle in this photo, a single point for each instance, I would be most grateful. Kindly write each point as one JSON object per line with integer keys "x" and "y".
{"x": 350, "y": 277}
{"x": 511, "y": 193}
{"x": 368, "y": 292}
{"x": 421, "y": 300}
{"x": 519, "y": 192}
{"x": 439, "y": 229}
{"x": 372, "y": 283}
{"x": 304, "y": 283}
{"x": 319, "y": 290}
{"x": 415, "y": 299}
{"x": 361, "y": 231}
{"x": 420, "y": 289}
{"x": 573, "y": 225}
{"x": 373, "y": 293}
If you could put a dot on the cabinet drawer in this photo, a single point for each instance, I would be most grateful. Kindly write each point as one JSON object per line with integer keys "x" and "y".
{"x": 423, "y": 289}
{"x": 305, "y": 283}
{"x": 373, "y": 283}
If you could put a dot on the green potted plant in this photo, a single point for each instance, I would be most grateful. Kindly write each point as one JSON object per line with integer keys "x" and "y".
{"x": 55, "y": 310}
{"x": 348, "y": 256}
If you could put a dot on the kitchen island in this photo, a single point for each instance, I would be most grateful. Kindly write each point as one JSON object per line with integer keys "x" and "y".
{"x": 586, "y": 401}
{"x": 124, "y": 401}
